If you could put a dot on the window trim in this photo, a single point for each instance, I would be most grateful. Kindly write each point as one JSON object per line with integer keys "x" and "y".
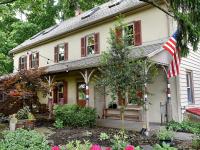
{"x": 24, "y": 63}
{"x": 61, "y": 45}
{"x": 86, "y": 44}
{"x": 191, "y": 82}
{"x": 35, "y": 60}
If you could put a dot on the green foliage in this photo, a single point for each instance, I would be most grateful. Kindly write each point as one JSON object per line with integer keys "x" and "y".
{"x": 121, "y": 73}
{"x": 184, "y": 126}
{"x": 187, "y": 14}
{"x": 119, "y": 141}
{"x": 104, "y": 136}
{"x": 23, "y": 113}
{"x": 165, "y": 134}
{"x": 58, "y": 124}
{"x": 23, "y": 140}
{"x": 75, "y": 116}
{"x": 163, "y": 147}
{"x": 77, "y": 145}
{"x": 196, "y": 142}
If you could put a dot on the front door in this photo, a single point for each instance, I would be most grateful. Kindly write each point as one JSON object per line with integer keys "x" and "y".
{"x": 81, "y": 94}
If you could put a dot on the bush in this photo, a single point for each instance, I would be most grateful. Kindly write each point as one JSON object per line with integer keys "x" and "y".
{"x": 165, "y": 134}
{"x": 184, "y": 126}
{"x": 23, "y": 140}
{"x": 75, "y": 116}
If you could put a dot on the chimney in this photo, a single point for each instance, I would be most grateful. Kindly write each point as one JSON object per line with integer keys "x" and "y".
{"x": 78, "y": 11}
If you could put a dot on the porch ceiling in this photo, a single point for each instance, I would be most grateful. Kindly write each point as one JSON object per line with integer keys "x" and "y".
{"x": 94, "y": 61}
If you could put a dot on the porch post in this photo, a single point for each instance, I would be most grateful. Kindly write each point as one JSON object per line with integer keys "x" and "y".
{"x": 86, "y": 76}
{"x": 168, "y": 94}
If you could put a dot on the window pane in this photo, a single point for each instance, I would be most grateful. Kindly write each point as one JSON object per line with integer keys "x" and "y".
{"x": 128, "y": 31}
{"x": 189, "y": 87}
{"x": 90, "y": 49}
{"x": 61, "y": 54}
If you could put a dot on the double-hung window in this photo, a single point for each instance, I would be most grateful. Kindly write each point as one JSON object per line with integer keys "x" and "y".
{"x": 90, "y": 44}
{"x": 34, "y": 60}
{"x": 189, "y": 81}
{"x": 23, "y": 63}
{"x": 61, "y": 52}
{"x": 129, "y": 32}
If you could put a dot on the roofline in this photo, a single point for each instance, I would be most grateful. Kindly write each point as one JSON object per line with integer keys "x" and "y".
{"x": 110, "y": 18}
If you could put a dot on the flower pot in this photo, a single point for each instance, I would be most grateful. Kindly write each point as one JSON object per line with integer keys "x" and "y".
{"x": 29, "y": 124}
{"x": 20, "y": 124}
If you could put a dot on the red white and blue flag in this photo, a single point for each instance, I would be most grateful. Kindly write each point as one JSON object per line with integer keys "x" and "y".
{"x": 171, "y": 47}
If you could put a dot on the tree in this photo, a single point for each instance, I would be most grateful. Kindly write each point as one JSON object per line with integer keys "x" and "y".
{"x": 124, "y": 76}
{"x": 187, "y": 14}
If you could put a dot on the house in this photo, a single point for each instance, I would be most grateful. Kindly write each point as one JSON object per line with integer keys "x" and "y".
{"x": 70, "y": 52}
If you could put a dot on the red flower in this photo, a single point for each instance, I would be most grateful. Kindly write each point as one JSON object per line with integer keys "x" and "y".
{"x": 55, "y": 148}
{"x": 95, "y": 147}
{"x": 108, "y": 148}
{"x": 129, "y": 147}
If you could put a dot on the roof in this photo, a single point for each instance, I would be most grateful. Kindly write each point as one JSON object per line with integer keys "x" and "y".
{"x": 94, "y": 61}
{"x": 104, "y": 11}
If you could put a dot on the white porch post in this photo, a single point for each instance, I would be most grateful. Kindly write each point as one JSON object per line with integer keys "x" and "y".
{"x": 86, "y": 76}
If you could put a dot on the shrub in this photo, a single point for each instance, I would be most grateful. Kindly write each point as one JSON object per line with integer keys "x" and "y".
{"x": 23, "y": 113}
{"x": 23, "y": 140}
{"x": 165, "y": 134}
{"x": 184, "y": 126}
{"x": 75, "y": 116}
{"x": 196, "y": 142}
{"x": 163, "y": 147}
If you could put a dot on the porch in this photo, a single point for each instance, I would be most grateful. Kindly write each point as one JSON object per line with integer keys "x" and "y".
{"x": 127, "y": 124}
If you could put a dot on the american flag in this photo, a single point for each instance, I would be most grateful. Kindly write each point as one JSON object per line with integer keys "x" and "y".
{"x": 170, "y": 46}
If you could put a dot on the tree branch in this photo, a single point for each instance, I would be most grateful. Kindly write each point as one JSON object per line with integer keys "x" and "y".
{"x": 157, "y": 6}
{"x": 6, "y": 2}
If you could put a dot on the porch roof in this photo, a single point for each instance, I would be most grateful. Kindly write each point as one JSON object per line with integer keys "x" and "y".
{"x": 94, "y": 61}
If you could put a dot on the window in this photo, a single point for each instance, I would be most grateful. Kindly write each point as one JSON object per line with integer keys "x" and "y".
{"x": 133, "y": 30}
{"x": 129, "y": 31}
{"x": 60, "y": 90}
{"x": 115, "y": 3}
{"x": 61, "y": 52}
{"x": 90, "y": 12}
{"x": 23, "y": 63}
{"x": 189, "y": 87}
{"x": 90, "y": 44}
{"x": 34, "y": 60}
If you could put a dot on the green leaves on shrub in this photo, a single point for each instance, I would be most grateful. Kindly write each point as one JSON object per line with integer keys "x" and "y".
{"x": 23, "y": 140}
{"x": 74, "y": 116}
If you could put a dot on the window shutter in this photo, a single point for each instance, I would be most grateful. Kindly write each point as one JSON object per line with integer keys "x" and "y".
{"x": 66, "y": 51}
{"x": 97, "y": 46}
{"x": 138, "y": 33}
{"x": 37, "y": 59}
{"x": 83, "y": 47}
{"x": 56, "y": 54}
{"x": 25, "y": 63}
{"x": 30, "y": 61}
{"x": 65, "y": 92}
{"x": 19, "y": 67}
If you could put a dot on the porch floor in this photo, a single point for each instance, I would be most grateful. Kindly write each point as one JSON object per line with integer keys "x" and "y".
{"x": 129, "y": 125}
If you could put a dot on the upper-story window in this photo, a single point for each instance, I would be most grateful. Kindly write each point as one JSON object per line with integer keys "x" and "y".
{"x": 23, "y": 63}
{"x": 34, "y": 60}
{"x": 133, "y": 30}
{"x": 61, "y": 52}
{"x": 90, "y": 45}
{"x": 190, "y": 93}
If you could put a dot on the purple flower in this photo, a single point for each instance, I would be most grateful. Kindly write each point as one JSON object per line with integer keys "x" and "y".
{"x": 55, "y": 148}
{"x": 95, "y": 147}
{"x": 129, "y": 147}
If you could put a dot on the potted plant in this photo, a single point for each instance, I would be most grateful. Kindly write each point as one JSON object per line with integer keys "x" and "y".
{"x": 22, "y": 115}
{"x": 29, "y": 124}
{"x": 165, "y": 136}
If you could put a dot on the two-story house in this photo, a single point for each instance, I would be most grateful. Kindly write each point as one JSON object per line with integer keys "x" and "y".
{"x": 71, "y": 50}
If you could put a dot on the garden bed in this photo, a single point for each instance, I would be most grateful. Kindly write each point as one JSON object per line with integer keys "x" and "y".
{"x": 62, "y": 136}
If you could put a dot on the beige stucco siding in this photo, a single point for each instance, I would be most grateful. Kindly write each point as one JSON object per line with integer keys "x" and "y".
{"x": 191, "y": 63}
{"x": 150, "y": 19}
